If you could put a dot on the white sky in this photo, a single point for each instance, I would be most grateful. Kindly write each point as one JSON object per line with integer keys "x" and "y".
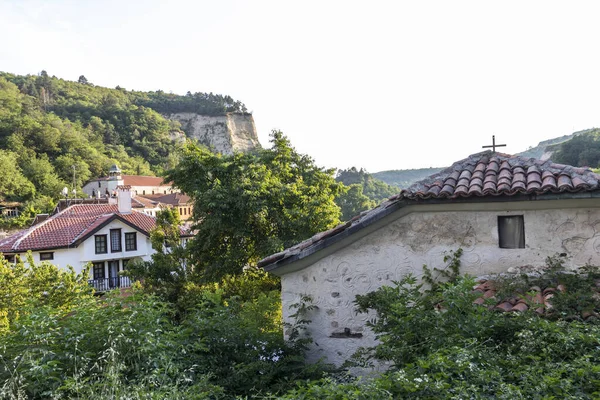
{"x": 377, "y": 84}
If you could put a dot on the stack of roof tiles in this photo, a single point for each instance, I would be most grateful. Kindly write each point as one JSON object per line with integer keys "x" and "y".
{"x": 485, "y": 174}
{"x": 537, "y": 298}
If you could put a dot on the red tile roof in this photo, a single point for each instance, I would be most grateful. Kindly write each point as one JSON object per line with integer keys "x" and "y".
{"x": 173, "y": 199}
{"x": 138, "y": 180}
{"x": 494, "y": 174}
{"x": 72, "y": 225}
{"x": 479, "y": 176}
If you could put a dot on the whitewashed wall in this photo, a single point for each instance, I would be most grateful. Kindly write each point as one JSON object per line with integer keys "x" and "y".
{"x": 79, "y": 256}
{"x": 405, "y": 244}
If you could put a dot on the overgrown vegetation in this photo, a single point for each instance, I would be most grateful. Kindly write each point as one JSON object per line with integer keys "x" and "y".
{"x": 62, "y": 342}
{"x": 440, "y": 345}
{"x": 222, "y": 340}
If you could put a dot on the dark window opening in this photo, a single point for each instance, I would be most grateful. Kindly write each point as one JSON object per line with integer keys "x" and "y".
{"x": 98, "y": 269}
{"x": 115, "y": 240}
{"x": 46, "y": 256}
{"x": 511, "y": 232}
{"x": 10, "y": 258}
{"x": 100, "y": 244}
{"x": 130, "y": 241}
{"x": 125, "y": 262}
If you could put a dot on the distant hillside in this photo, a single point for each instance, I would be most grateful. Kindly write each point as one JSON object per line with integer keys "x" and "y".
{"x": 403, "y": 178}
{"x": 545, "y": 148}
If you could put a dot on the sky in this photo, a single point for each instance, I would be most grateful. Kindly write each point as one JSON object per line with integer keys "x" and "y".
{"x": 373, "y": 84}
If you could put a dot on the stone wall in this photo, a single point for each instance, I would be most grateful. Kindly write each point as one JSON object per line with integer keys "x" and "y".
{"x": 405, "y": 244}
{"x": 224, "y": 134}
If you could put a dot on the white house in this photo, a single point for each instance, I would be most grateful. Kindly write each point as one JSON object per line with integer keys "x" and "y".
{"x": 108, "y": 235}
{"x": 504, "y": 211}
{"x": 140, "y": 185}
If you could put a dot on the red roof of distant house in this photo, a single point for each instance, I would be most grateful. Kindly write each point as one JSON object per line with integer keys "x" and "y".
{"x": 139, "y": 180}
{"x": 71, "y": 226}
{"x": 173, "y": 199}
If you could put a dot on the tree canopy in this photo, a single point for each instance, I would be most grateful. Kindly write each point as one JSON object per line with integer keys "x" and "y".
{"x": 249, "y": 206}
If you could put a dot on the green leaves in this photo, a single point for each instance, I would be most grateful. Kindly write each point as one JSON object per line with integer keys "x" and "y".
{"x": 249, "y": 206}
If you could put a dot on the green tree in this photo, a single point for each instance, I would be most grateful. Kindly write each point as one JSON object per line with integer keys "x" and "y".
{"x": 352, "y": 201}
{"x": 14, "y": 186}
{"x": 251, "y": 205}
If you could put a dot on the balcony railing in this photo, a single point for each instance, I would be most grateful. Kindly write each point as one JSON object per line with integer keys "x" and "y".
{"x": 105, "y": 284}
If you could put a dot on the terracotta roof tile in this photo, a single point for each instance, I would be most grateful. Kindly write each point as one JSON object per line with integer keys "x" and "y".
{"x": 484, "y": 174}
{"x": 535, "y": 297}
{"x": 70, "y": 225}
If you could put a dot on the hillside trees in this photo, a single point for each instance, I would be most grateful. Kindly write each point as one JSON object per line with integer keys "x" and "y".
{"x": 252, "y": 205}
{"x": 581, "y": 150}
{"x": 362, "y": 191}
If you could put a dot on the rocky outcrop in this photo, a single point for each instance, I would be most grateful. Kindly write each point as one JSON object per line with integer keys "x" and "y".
{"x": 223, "y": 134}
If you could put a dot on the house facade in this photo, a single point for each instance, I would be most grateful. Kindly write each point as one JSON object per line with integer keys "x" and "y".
{"x": 106, "y": 235}
{"x": 506, "y": 213}
{"x": 140, "y": 185}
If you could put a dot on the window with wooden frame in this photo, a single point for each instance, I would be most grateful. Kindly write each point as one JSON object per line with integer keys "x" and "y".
{"x": 100, "y": 243}
{"x": 98, "y": 270}
{"x": 47, "y": 256}
{"x": 130, "y": 241}
{"x": 115, "y": 240}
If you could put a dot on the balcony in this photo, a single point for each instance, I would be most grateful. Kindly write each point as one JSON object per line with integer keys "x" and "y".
{"x": 106, "y": 284}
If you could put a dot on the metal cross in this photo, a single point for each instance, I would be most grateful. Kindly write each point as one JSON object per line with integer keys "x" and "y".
{"x": 494, "y": 145}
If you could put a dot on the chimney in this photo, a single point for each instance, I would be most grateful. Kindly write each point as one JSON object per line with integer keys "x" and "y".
{"x": 124, "y": 199}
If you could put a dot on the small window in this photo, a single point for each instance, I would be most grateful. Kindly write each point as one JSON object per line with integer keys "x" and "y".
{"x": 99, "y": 184}
{"x": 47, "y": 256}
{"x": 130, "y": 241}
{"x": 153, "y": 192}
{"x": 100, "y": 241}
{"x": 98, "y": 270}
{"x": 143, "y": 192}
{"x": 125, "y": 262}
{"x": 511, "y": 232}
{"x": 10, "y": 258}
{"x": 115, "y": 240}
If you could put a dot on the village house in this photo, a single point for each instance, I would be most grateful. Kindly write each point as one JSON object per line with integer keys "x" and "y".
{"x": 140, "y": 185}
{"x": 504, "y": 211}
{"x": 108, "y": 235}
{"x": 150, "y": 193}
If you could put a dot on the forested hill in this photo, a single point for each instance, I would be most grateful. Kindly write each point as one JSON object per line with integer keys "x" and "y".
{"x": 50, "y": 127}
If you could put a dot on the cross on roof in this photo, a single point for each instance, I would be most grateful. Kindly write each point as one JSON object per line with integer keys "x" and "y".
{"x": 494, "y": 145}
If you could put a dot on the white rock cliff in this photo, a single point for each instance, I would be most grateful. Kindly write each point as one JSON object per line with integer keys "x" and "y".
{"x": 224, "y": 134}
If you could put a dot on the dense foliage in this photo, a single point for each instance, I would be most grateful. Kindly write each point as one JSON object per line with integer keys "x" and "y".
{"x": 229, "y": 342}
{"x": 581, "y": 150}
{"x": 252, "y": 205}
{"x": 361, "y": 191}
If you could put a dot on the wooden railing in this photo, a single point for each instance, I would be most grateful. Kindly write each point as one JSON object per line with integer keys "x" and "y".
{"x": 105, "y": 284}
